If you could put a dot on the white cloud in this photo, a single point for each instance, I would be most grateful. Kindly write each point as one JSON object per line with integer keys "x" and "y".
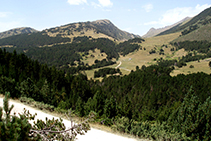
{"x": 148, "y": 7}
{"x": 76, "y": 2}
{"x": 105, "y": 3}
{"x": 102, "y": 3}
{"x": 174, "y": 15}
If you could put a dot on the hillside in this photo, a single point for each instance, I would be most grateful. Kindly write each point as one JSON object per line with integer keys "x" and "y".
{"x": 95, "y": 29}
{"x": 196, "y": 22}
{"x": 17, "y": 31}
{"x": 203, "y": 33}
{"x": 66, "y": 49}
{"x": 146, "y": 103}
{"x": 153, "y": 32}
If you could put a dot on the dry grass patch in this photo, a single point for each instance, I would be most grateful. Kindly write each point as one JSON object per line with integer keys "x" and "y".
{"x": 90, "y": 73}
{"x": 201, "y": 66}
{"x": 90, "y": 59}
{"x": 180, "y": 53}
{"x": 159, "y": 40}
{"x": 142, "y": 57}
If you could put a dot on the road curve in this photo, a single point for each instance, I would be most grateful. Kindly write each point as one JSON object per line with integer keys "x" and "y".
{"x": 119, "y": 65}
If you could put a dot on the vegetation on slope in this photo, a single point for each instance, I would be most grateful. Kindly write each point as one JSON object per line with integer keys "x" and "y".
{"x": 143, "y": 103}
{"x": 200, "y": 34}
{"x": 65, "y": 55}
{"x": 25, "y": 41}
{"x": 13, "y": 127}
{"x": 96, "y": 28}
{"x": 197, "y": 21}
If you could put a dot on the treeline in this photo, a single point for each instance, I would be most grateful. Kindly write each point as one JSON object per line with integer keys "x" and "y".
{"x": 146, "y": 98}
{"x": 126, "y": 47}
{"x": 82, "y": 66}
{"x": 62, "y": 55}
{"x": 199, "y": 46}
{"x": 195, "y": 47}
{"x": 191, "y": 28}
{"x": 26, "y": 41}
{"x": 105, "y": 71}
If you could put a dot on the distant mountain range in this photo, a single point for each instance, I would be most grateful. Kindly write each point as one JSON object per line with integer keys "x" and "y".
{"x": 197, "y": 28}
{"x": 153, "y": 32}
{"x": 95, "y": 29}
{"x": 196, "y": 22}
{"x": 17, "y": 31}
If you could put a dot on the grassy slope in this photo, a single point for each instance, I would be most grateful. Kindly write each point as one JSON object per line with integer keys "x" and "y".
{"x": 142, "y": 57}
{"x": 203, "y": 33}
{"x": 90, "y": 59}
{"x": 201, "y": 66}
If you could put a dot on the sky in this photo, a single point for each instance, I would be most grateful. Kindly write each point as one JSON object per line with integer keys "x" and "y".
{"x": 134, "y": 16}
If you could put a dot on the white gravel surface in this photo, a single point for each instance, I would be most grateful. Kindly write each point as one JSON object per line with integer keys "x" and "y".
{"x": 91, "y": 135}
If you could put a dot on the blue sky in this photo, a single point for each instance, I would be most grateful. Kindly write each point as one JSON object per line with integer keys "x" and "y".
{"x": 134, "y": 16}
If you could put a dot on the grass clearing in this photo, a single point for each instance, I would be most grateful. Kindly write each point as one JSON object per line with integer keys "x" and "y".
{"x": 90, "y": 59}
{"x": 142, "y": 57}
{"x": 201, "y": 66}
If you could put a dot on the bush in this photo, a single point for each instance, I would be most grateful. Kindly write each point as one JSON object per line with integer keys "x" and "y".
{"x": 191, "y": 66}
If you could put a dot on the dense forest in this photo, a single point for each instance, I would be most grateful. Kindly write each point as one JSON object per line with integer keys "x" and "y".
{"x": 146, "y": 103}
{"x": 26, "y": 41}
{"x": 105, "y": 71}
{"x": 63, "y": 55}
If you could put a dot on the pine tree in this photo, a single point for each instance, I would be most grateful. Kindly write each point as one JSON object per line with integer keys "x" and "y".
{"x": 110, "y": 108}
{"x": 18, "y": 128}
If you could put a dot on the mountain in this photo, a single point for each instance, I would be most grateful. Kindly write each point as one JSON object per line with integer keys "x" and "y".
{"x": 153, "y": 32}
{"x": 95, "y": 29}
{"x": 196, "y": 22}
{"x": 72, "y": 44}
{"x": 105, "y": 26}
{"x": 17, "y": 31}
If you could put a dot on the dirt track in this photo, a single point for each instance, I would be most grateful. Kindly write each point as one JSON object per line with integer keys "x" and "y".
{"x": 92, "y": 135}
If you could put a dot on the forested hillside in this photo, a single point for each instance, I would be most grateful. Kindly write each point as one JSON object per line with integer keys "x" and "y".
{"x": 146, "y": 103}
{"x": 64, "y": 55}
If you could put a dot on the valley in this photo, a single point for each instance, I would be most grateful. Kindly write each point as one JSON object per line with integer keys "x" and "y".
{"x": 156, "y": 88}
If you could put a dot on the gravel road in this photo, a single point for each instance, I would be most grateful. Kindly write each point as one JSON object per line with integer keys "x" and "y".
{"x": 91, "y": 135}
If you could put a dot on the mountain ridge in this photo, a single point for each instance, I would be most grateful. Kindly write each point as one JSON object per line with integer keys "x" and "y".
{"x": 155, "y": 31}
{"x": 17, "y": 31}
{"x": 96, "y": 29}
{"x": 198, "y": 19}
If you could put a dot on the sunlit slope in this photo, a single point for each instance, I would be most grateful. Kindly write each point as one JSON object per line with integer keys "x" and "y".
{"x": 143, "y": 57}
